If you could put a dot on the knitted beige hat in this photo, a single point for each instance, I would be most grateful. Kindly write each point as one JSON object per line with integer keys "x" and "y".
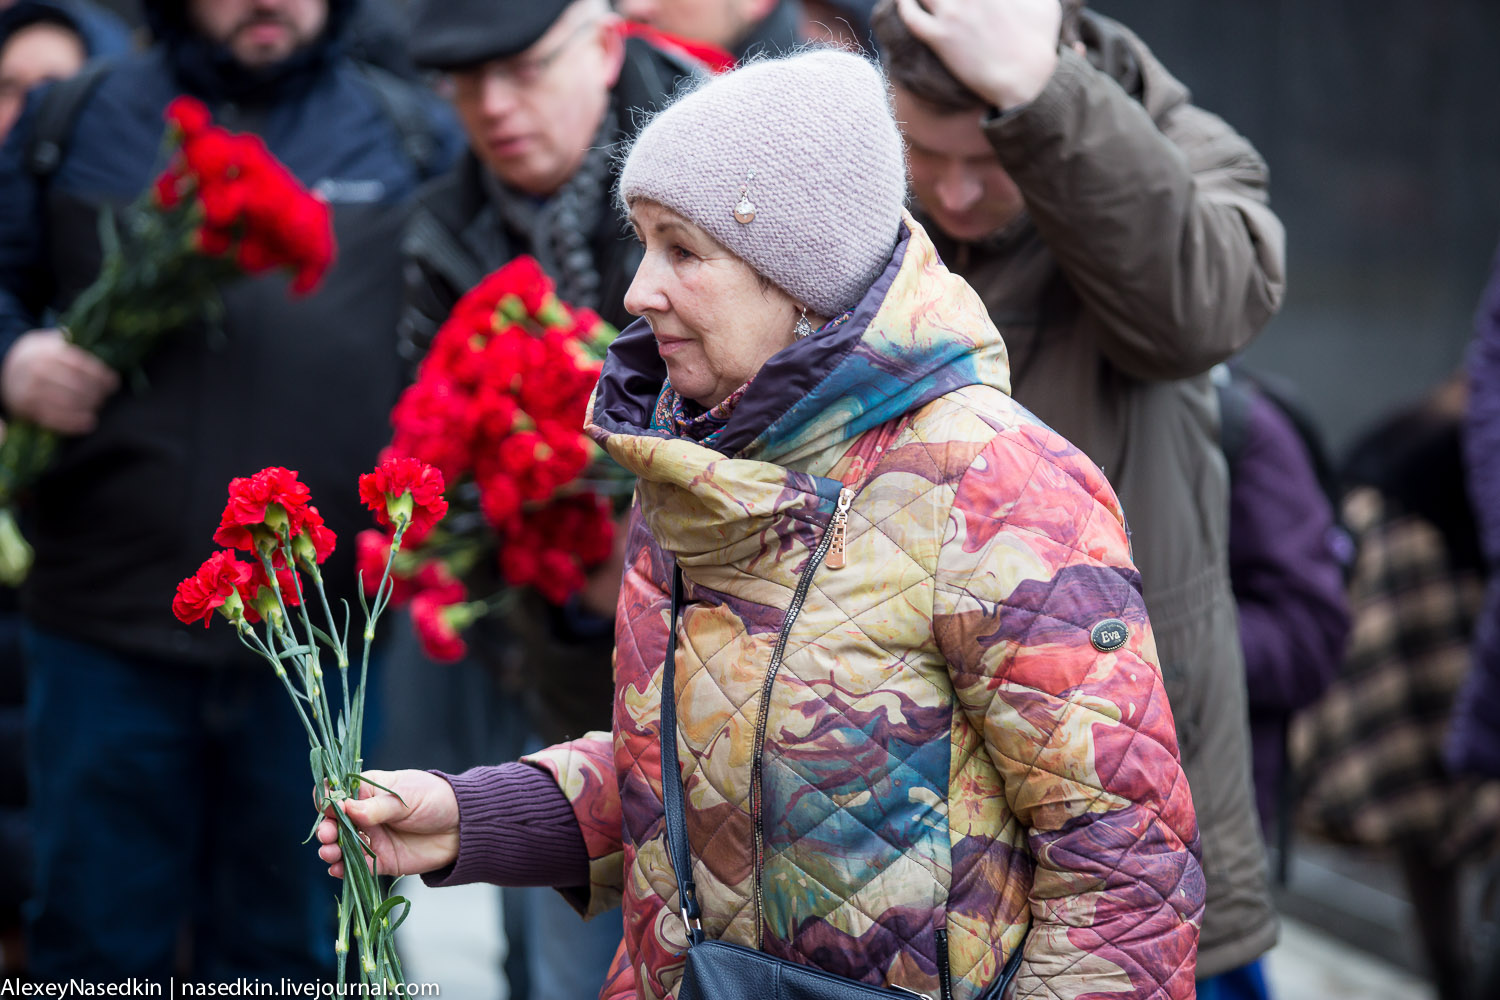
{"x": 794, "y": 164}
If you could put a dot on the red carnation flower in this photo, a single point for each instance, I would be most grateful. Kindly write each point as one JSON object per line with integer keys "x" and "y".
{"x": 437, "y": 579}
{"x": 585, "y": 526}
{"x": 189, "y": 114}
{"x": 559, "y": 576}
{"x": 214, "y": 242}
{"x": 316, "y": 542}
{"x": 261, "y": 506}
{"x": 216, "y": 585}
{"x": 499, "y": 500}
{"x": 167, "y": 189}
{"x": 260, "y": 597}
{"x": 372, "y": 549}
{"x": 521, "y": 563}
{"x": 432, "y": 422}
{"x": 436, "y": 629}
{"x": 405, "y": 488}
{"x": 210, "y": 156}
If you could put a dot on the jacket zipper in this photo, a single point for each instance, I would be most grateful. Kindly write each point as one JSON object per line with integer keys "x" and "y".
{"x": 945, "y": 981}
{"x": 839, "y": 527}
{"x": 846, "y": 497}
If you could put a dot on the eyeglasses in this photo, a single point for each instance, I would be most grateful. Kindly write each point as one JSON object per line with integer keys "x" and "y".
{"x": 519, "y": 74}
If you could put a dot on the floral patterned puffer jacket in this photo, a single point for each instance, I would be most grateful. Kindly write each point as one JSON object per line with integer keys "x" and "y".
{"x": 900, "y": 768}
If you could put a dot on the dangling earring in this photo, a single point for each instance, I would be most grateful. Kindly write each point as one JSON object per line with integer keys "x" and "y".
{"x": 804, "y": 327}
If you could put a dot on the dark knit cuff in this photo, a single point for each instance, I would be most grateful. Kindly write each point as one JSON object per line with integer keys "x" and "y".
{"x": 515, "y": 828}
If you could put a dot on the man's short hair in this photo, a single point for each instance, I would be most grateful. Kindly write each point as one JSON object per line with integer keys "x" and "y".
{"x": 916, "y": 69}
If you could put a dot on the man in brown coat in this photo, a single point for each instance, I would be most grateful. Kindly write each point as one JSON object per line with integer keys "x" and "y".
{"x": 1122, "y": 241}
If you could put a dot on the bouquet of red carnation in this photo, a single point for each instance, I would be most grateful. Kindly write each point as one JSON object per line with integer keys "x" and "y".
{"x": 498, "y": 407}
{"x": 224, "y": 207}
{"x": 270, "y": 516}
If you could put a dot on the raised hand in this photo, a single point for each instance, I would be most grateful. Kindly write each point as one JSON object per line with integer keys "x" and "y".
{"x": 1005, "y": 51}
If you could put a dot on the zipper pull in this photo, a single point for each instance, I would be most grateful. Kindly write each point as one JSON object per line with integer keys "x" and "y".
{"x": 840, "y": 528}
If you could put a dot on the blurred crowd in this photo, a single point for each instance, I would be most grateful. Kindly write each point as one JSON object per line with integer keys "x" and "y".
{"x": 1327, "y": 623}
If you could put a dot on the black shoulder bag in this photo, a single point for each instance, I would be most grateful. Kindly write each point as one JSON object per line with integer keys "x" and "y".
{"x": 717, "y": 970}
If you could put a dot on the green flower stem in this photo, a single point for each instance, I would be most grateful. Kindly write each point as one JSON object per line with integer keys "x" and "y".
{"x": 382, "y": 599}
{"x": 308, "y": 663}
{"x": 340, "y": 647}
{"x": 341, "y": 948}
{"x": 254, "y": 643}
{"x": 335, "y": 759}
{"x": 15, "y": 554}
{"x": 362, "y": 895}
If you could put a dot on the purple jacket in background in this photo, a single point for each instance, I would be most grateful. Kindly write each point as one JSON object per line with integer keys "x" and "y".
{"x": 1474, "y": 744}
{"x": 1288, "y": 584}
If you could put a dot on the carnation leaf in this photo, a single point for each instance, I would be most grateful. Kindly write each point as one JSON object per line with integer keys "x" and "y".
{"x": 387, "y": 907}
{"x": 366, "y": 781}
{"x": 330, "y": 640}
{"x": 343, "y": 820}
{"x": 293, "y": 651}
{"x": 359, "y": 592}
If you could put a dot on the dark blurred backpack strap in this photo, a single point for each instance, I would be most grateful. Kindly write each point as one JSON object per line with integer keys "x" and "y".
{"x": 56, "y": 115}
{"x": 399, "y": 98}
{"x": 1234, "y": 414}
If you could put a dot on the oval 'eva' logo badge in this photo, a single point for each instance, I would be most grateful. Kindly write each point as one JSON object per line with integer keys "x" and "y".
{"x": 1109, "y": 635}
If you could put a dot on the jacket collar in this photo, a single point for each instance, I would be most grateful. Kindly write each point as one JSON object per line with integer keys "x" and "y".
{"x": 920, "y": 332}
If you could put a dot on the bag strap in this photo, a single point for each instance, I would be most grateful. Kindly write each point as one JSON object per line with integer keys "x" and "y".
{"x": 410, "y": 117}
{"x": 55, "y": 116}
{"x": 671, "y": 779}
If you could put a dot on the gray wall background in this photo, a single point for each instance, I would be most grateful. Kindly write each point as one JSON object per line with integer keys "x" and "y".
{"x": 1379, "y": 121}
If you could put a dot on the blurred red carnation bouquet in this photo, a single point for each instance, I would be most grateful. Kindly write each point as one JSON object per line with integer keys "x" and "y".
{"x": 280, "y": 610}
{"x": 498, "y": 407}
{"x": 224, "y": 207}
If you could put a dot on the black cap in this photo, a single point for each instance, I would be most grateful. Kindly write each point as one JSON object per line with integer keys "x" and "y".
{"x": 448, "y": 34}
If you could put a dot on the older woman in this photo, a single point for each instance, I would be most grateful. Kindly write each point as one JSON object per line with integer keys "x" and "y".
{"x": 919, "y": 719}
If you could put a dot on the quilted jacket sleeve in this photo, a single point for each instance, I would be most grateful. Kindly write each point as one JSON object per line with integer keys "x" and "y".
{"x": 585, "y": 771}
{"x": 1163, "y": 228}
{"x": 1035, "y": 557}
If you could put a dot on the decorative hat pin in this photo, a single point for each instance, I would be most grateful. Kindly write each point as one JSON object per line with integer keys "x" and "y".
{"x": 744, "y": 211}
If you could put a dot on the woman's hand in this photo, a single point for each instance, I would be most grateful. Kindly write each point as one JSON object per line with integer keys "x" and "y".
{"x": 418, "y": 836}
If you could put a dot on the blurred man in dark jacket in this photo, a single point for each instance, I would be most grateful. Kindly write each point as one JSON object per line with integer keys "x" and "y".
{"x": 40, "y": 41}
{"x": 548, "y": 91}
{"x": 1122, "y": 241}
{"x": 137, "y": 723}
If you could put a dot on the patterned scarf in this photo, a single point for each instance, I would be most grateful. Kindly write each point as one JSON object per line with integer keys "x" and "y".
{"x": 560, "y": 229}
{"x": 686, "y": 419}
